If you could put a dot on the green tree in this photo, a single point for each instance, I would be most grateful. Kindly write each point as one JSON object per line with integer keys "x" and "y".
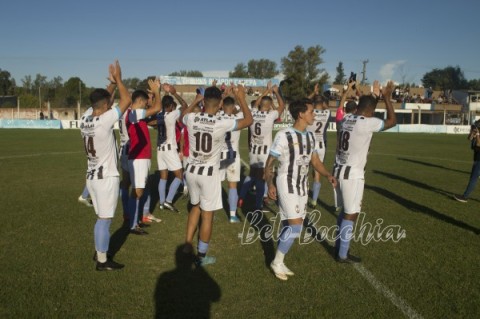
{"x": 340, "y": 77}
{"x": 189, "y": 73}
{"x": 6, "y": 83}
{"x": 240, "y": 71}
{"x": 27, "y": 83}
{"x": 132, "y": 83}
{"x": 302, "y": 72}
{"x": 449, "y": 78}
{"x": 72, "y": 89}
{"x": 474, "y": 85}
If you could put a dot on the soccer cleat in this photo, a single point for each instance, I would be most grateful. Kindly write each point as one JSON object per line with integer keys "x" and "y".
{"x": 152, "y": 218}
{"x": 287, "y": 271}
{"x": 460, "y": 198}
{"x": 170, "y": 206}
{"x": 143, "y": 225}
{"x": 349, "y": 260}
{"x": 185, "y": 190}
{"x": 240, "y": 203}
{"x": 161, "y": 206}
{"x": 146, "y": 220}
{"x": 203, "y": 261}
{"x": 85, "y": 201}
{"x": 138, "y": 231}
{"x": 234, "y": 219}
{"x": 312, "y": 203}
{"x": 278, "y": 271}
{"x": 108, "y": 265}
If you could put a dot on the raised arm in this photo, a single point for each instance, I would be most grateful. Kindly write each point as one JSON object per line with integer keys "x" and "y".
{"x": 154, "y": 86}
{"x": 171, "y": 89}
{"x": 281, "y": 104}
{"x": 265, "y": 93}
{"x": 189, "y": 109}
{"x": 340, "y": 110}
{"x": 247, "y": 120}
{"x": 315, "y": 91}
{"x": 125, "y": 99}
{"x": 391, "y": 120}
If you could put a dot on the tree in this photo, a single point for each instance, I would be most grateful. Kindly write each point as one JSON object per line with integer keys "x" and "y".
{"x": 132, "y": 83}
{"x": 302, "y": 72}
{"x": 340, "y": 78}
{"x": 240, "y": 71}
{"x": 189, "y": 73}
{"x": 474, "y": 85}
{"x": 6, "y": 83}
{"x": 449, "y": 78}
{"x": 27, "y": 83}
{"x": 72, "y": 89}
{"x": 255, "y": 69}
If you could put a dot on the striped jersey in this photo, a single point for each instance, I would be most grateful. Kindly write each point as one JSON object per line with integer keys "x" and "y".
{"x": 353, "y": 143}
{"x": 261, "y": 130}
{"x": 206, "y": 136}
{"x": 293, "y": 149}
{"x": 319, "y": 126}
{"x": 166, "y": 127}
{"x": 232, "y": 139}
{"x": 122, "y": 127}
{"x": 99, "y": 142}
{"x": 140, "y": 145}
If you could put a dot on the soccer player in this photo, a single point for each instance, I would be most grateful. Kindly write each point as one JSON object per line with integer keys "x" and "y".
{"x": 167, "y": 155}
{"x": 319, "y": 130}
{"x": 230, "y": 157}
{"x": 206, "y": 138}
{"x": 140, "y": 151}
{"x": 295, "y": 149}
{"x": 264, "y": 116}
{"x": 350, "y": 160}
{"x": 124, "y": 147}
{"x": 102, "y": 174}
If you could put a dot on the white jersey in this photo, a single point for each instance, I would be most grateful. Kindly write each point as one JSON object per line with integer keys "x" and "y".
{"x": 166, "y": 127}
{"x": 353, "y": 144}
{"x": 293, "y": 149}
{"x": 99, "y": 141}
{"x": 206, "y": 136}
{"x": 319, "y": 126}
{"x": 261, "y": 131}
{"x": 122, "y": 127}
{"x": 232, "y": 139}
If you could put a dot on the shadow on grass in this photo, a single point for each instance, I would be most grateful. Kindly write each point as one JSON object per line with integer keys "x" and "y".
{"x": 118, "y": 238}
{"x": 186, "y": 291}
{"x": 415, "y": 207}
{"x": 432, "y": 165}
{"x": 315, "y": 234}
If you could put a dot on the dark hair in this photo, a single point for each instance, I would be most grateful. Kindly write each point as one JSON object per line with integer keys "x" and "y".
{"x": 229, "y": 101}
{"x": 168, "y": 101}
{"x": 319, "y": 99}
{"x": 139, "y": 94}
{"x": 212, "y": 93}
{"x": 98, "y": 95}
{"x": 298, "y": 106}
{"x": 266, "y": 98}
{"x": 350, "y": 107}
{"x": 367, "y": 102}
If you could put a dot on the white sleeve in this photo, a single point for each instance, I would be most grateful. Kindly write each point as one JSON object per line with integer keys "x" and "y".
{"x": 111, "y": 116}
{"x": 375, "y": 124}
{"x": 185, "y": 118}
{"x": 136, "y": 115}
{"x": 229, "y": 125}
{"x": 278, "y": 145}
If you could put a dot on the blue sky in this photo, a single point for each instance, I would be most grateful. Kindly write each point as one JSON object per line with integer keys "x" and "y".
{"x": 80, "y": 38}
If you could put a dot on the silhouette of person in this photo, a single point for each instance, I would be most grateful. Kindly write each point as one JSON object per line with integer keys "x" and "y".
{"x": 185, "y": 292}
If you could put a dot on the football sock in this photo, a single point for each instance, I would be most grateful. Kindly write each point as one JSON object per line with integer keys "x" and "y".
{"x": 315, "y": 191}
{"x": 102, "y": 235}
{"x": 162, "y": 185}
{"x": 145, "y": 203}
{"x": 339, "y": 223}
{"x": 101, "y": 257}
{"x": 124, "y": 196}
{"x": 346, "y": 234}
{"x": 279, "y": 257}
{"x": 85, "y": 192}
{"x": 260, "y": 185}
{"x": 202, "y": 248}
{"x": 133, "y": 204}
{"x": 232, "y": 201}
{"x": 287, "y": 236}
{"x": 265, "y": 193}
{"x": 247, "y": 183}
{"x": 173, "y": 189}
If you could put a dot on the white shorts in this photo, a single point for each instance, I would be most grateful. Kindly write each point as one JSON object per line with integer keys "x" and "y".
{"x": 168, "y": 160}
{"x": 139, "y": 170}
{"x": 292, "y": 206}
{"x": 231, "y": 169}
{"x": 104, "y": 194}
{"x": 258, "y": 160}
{"x": 124, "y": 157}
{"x": 205, "y": 190}
{"x": 349, "y": 195}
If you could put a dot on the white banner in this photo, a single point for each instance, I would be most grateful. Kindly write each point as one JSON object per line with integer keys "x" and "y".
{"x": 207, "y": 81}
{"x": 416, "y": 106}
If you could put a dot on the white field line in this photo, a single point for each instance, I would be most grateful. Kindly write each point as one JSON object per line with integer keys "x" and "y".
{"x": 381, "y": 288}
{"x": 38, "y": 154}
{"x": 396, "y": 300}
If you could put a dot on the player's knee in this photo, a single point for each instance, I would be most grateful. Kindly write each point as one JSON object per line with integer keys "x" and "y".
{"x": 350, "y": 216}
{"x": 291, "y": 232}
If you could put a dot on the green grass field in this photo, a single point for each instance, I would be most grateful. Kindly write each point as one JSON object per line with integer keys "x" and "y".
{"x": 47, "y": 244}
